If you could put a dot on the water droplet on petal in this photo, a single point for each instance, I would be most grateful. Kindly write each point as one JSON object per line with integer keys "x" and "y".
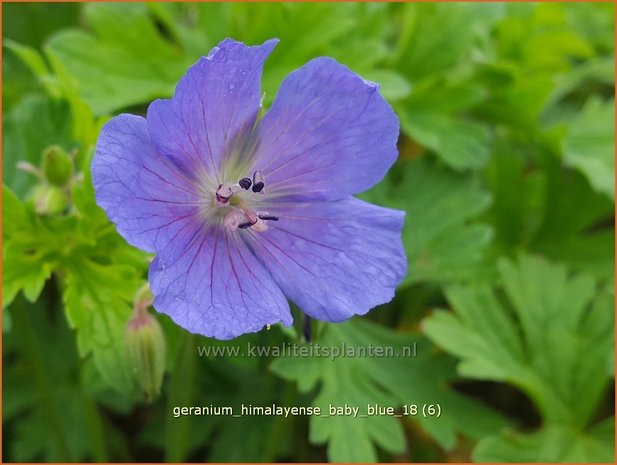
{"x": 218, "y": 54}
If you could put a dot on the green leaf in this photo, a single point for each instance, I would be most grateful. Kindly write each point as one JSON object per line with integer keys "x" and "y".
{"x": 461, "y": 144}
{"x": 13, "y": 212}
{"x": 130, "y": 61}
{"x": 585, "y": 77}
{"x": 585, "y": 241}
{"x": 551, "y": 444}
{"x": 32, "y": 125}
{"x": 431, "y": 117}
{"x": 96, "y": 302}
{"x": 29, "y": 56}
{"x": 198, "y": 26}
{"x": 518, "y": 103}
{"x": 26, "y": 256}
{"x": 32, "y": 23}
{"x": 590, "y": 144}
{"x": 29, "y": 24}
{"x": 552, "y": 339}
{"x": 393, "y": 85}
{"x": 51, "y": 417}
{"x": 541, "y": 41}
{"x": 390, "y": 380}
{"x": 595, "y": 22}
{"x": 545, "y": 209}
{"x": 125, "y": 62}
{"x": 257, "y": 388}
{"x": 322, "y": 25}
{"x": 517, "y": 190}
{"x": 441, "y": 241}
{"x": 102, "y": 275}
{"x": 424, "y": 52}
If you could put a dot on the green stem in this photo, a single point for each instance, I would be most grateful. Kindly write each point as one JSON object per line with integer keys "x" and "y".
{"x": 408, "y": 24}
{"x": 181, "y": 390}
{"x": 279, "y": 424}
{"x": 32, "y": 349}
{"x": 95, "y": 430}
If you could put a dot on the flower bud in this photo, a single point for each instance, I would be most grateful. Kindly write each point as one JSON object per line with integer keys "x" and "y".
{"x": 57, "y": 166}
{"x": 49, "y": 200}
{"x": 145, "y": 344}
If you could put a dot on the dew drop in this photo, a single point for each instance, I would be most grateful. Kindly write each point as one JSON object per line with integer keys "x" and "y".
{"x": 220, "y": 55}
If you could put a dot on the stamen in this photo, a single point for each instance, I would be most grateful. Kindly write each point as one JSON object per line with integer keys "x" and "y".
{"x": 246, "y": 225}
{"x": 267, "y": 217}
{"x": 245, "y": 183}
{"x": 258, "y": 181}
{"x": 253, "y": 221}
{"x": 250, "y": 215}
{"x": 260, "y": 226}
{"x": 238, "y": 215}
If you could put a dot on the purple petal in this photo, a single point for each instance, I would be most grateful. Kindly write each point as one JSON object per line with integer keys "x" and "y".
{"x": 215, "y": 103}
{"x": 144, "y": 193}
{"x": 210, "y": 283}
{"x": 329, "y": 134}
{"x": 334, "y": 259}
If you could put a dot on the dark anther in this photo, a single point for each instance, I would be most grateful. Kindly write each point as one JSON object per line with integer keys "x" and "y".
{"x": 245, "y": 183}
{"x": 258, "y": 181}
{"x": 246, "y": 225}
{"x": 268, "y": 217}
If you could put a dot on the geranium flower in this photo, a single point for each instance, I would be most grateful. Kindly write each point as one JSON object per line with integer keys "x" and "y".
{"x": 243, "y": 213}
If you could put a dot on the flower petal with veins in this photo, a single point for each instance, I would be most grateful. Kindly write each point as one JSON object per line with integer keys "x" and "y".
{"x": 329, "y": 134}
{"x": 142, "y": 191}
{"x": 334, "y": 259}
{"x": 209, "y": 282}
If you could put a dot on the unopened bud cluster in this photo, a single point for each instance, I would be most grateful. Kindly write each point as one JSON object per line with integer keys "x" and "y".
{"x": 57, "y": 166}
{"x": 56, "y": 173}
{"x": 145, "y": 345}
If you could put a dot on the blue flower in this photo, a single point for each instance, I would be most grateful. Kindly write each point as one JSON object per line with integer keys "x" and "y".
{"x": 244, "y": 213}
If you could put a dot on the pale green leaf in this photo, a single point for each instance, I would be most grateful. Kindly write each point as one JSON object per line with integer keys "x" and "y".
{"x": 97, "y": 305}
{"x": 551, "y": 338}
{"x": 590, "y": 144}
{"x": 551, "y": 444}
{"x": 125, "y": 62}
{"x": 393, "y": 85}
{"x": 32, "y": 125}
{"x": 391, "y": 380}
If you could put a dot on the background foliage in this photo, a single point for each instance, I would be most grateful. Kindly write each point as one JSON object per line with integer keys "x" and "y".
{"x": 506, "y": 172}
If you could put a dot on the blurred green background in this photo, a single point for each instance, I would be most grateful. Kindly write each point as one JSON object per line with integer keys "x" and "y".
{"x": 506, "y": 172}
